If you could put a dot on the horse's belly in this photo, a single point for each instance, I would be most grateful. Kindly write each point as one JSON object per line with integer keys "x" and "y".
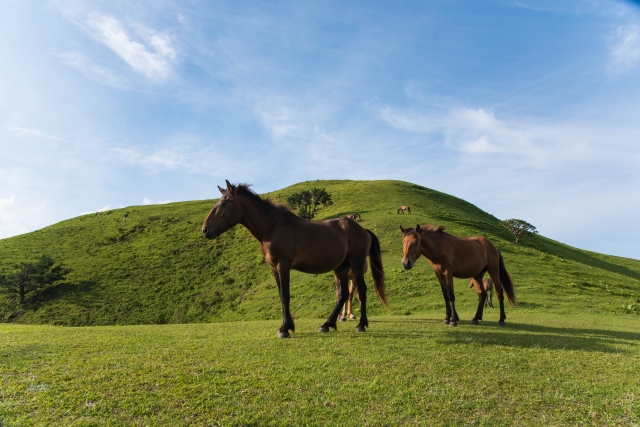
{"x": 318, "y": 264}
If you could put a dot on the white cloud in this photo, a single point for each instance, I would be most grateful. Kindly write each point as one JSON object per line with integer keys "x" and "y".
{"x": 146, "y": 201}
{"x": 34, "y": 132}
{"x": 624, "y": 48}
{"x": 104, "y": 209}
{"x": 153, "y": 59}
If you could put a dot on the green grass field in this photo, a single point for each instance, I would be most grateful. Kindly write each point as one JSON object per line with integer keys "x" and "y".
{"x": 157, "y": 326}
{"x": 541, "y": 369}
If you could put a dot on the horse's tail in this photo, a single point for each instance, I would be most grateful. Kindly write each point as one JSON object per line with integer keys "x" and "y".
{"x": 377, "y": 271}
{"x": 507, "y": 284}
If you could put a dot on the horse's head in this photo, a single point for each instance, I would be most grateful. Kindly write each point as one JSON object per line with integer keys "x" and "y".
{"x": 226, "y": 213}
{"x": 411, "y": 246}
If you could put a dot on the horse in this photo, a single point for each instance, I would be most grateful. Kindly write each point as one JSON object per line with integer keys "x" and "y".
{"x": 487, "y": 284}
{"x": 347, "y": 309}
{"x": 356, "y": 217}
{"x": 461, "y": 257}
{"x": 289, "y": 242}
{"x": 402, "y": 209}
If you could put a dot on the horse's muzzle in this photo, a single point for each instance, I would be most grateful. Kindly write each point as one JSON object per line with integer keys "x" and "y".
{"x": 407, "y": 264}
{"x": 209, "y": 233}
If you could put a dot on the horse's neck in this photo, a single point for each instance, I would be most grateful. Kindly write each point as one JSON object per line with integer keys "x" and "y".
{"x": 257, "y": 219}
{"x": 430, "y": 242}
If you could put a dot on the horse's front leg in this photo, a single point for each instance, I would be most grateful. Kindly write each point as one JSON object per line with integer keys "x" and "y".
{"x": 451, "y": 297}
{"x": 352, "y": 290}
{"x": 342, "y": 287}
{"x": 282, "y": 275}
{"x": 445, "y": 294}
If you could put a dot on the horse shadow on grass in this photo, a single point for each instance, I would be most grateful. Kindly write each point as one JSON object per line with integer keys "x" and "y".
{"x": 519, "y": 335}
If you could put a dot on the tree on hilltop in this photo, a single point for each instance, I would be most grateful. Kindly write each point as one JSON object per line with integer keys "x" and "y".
{"x": 519, "y": 228}
{"x": 307, "y": 203}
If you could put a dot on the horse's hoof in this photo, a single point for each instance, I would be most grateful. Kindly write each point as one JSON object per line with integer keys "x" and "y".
{"x": 501, "y": 323}
{"x": 352, "y": 317}
{"x": 284, "y": 334}
{"x": 474, "y": 322}
{"x": 445, "y": 322}
{"x": 323, "y": 329}
{"x": 453, "y": 324}
{"x": 342, "y": 319}
{"x": 360, "y": 329}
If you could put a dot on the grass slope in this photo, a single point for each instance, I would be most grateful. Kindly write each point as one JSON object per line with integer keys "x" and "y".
{"x": 150, "y": 265}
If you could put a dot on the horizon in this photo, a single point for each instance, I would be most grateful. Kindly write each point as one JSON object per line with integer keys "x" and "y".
{"x": 526, "y": 109}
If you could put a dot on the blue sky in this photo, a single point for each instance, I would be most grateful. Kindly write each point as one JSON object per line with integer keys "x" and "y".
{"x": 528, "y": 109}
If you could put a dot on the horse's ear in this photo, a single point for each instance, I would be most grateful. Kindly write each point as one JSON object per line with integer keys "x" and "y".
{"x": 418, "y": 228}
{"x": 404, "y": 231}
{"x": 230, "y": 187}
{"x": 222, "y": 190}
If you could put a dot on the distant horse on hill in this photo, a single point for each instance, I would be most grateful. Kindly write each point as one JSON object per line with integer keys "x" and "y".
{"x": 461, "y": 257}
{"x": 356, "y": 217}
{"x": 403, "y": 208}
{"x": 487, "y": 284}
{"x": 290, "y": 242}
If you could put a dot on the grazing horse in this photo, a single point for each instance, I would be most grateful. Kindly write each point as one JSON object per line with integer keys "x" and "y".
{"x": 403, "y": 208}
{"x": 487, "y": 284}
{"x": 356, "y": 217}
{"x": 461, "y": 257}
{"x": 290, "y": 242}
{"x": 347, "y": 309}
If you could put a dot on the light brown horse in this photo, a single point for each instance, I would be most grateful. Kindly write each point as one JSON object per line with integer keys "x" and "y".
{"x": 403, "y": 208}
{"x": 356, "y": 217}
{"x": 290, "y": 242}
{"x": 347, "y": 309}
{"x": 461, "y": 257}
{"x": 487, "y": 284}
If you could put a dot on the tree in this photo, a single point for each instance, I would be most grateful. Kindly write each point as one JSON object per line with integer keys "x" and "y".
{"x": 306, "y": 203}
{"x": 29, "y": 278}
{"x": 519, "y": 228}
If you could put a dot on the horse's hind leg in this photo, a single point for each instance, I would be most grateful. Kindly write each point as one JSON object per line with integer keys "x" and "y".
{"x": 342, "y": 285}
{"x": 362, "y": 296}
{"x": 497, "y": 284}
{"x": 482, "y": 297}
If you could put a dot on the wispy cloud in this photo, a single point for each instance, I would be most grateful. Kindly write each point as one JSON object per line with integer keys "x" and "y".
{"x": 91, "y": 70}
{"x": 6, "y": 212}
{"x": 34, "y": 132}
{"x": 474, "y": 132}
{"x": 624, "y": 48}
{"x": 164, "y": 159}
{"x": 152, "y": 55}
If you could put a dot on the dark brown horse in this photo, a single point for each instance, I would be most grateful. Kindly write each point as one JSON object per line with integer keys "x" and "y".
{"x": 461, "y": 257}
{"x": 290, "y": 242}
{"x": 403, "y": 208}
{"x": 487, "y": 284}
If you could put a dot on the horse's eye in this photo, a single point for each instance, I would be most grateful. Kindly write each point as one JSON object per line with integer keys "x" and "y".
{"x": 224, "y": 202}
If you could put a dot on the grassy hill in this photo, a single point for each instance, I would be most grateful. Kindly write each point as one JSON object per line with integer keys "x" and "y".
{"x": 149, "y": 264}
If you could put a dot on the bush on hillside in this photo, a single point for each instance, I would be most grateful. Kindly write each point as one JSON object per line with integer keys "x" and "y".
{"x": 307, "y": 203}
{"x": 29, "y": 278}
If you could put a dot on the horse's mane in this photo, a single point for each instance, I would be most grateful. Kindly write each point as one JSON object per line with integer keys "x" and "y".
{"x": 245, "y": 190}
{"x": 432, "y": 228}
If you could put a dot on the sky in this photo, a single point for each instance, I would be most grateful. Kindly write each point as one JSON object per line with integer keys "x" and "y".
{"x": 527, "y": 109}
